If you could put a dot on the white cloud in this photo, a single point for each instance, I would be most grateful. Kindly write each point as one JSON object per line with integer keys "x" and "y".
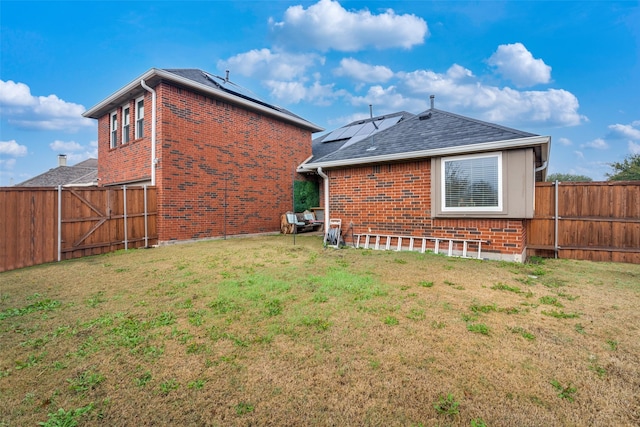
{"x": 296, "y": 91}
{"x": 491, "y": 103}
{"x": 390, "y": 99}
{"x": 516, "y": 63}
{"x": 579, "y": 154}
{"x": 326, "y": 25}
{"x": 39, "y": 112}
{"x": 564, "y": 141}
{"x": 270, "y": 65}
{"x": 626, "y": 131}
{"x": 598, "y": 144}
{"x": 360, "y": 71}
{"x": 634, "y": 148}
{"x": 79, "y": 157}
{"x": 62, "y": 146}
{"x": 15, "y": 94}
{"x": 7, "y": 163}
{"x": 12, "y": 148}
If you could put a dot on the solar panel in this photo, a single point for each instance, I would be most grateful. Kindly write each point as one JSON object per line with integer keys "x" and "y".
{"x": 335, "y": 135}
{"x": 366, "y": 129}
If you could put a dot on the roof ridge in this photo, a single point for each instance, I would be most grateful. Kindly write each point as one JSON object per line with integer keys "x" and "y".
{"x": 482, "y": 122}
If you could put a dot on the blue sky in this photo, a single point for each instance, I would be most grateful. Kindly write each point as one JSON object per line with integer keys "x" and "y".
{"x": 570, "y": 70}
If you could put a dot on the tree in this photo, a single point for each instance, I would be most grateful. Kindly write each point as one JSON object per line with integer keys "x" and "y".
{"x": 567, "y": 177}
{"x": 306, "y": 195}
{"x": 627, "y": 170}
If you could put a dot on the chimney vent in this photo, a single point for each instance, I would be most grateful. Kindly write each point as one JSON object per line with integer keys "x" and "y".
{"x": 226, "y": 77}
{"x": 62, "y": 160}
{"x": 433, "y": 100}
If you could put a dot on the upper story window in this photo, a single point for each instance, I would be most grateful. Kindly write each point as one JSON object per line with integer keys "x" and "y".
{"x": 140, "y": 117}
{"x": 472, "y": 183}
{"x": 113, "y": 134}
{"x": 126, "y": 120}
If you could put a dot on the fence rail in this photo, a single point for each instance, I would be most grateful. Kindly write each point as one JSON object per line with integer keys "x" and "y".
{"x": 40, "y": 225}
{"x": 598, "y": 221}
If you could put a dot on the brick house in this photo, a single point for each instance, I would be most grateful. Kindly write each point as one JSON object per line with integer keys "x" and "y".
{"x": 222, "y": 160}
{"x": 436, "y": 174}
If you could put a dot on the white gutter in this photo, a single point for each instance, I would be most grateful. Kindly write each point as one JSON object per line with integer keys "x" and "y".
{"x": 326, "y": 201}
{"x": 154, "y": 161}
{"x": 463, "y": 149}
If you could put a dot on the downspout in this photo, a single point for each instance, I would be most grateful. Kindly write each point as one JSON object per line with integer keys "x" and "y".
{"x": 154, "y": 161}
{"x": 326, "y": 201}
{"x": 543, "y": 167}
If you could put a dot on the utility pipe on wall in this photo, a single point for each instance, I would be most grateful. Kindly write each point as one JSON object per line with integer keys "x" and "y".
{"x": 154, "y": 161}
{"x": 326, "y": 201}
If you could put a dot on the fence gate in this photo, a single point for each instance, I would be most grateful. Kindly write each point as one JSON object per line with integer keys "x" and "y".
{"x": 42, "y": 224}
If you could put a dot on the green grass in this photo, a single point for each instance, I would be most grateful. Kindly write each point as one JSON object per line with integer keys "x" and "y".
{"x": 564, "y": 392}
{"x": 447, "y": 405}
{"x": 258, "y": 334}
{"x": 63, "y": 418}
{"x": 42, "y": 305}
{"x": 478, "y": 328}
{"x": 560, "y": 314}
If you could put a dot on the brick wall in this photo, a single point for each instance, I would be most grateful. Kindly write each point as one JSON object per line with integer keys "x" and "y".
{"x": 223, "y": 169}
{"x": 396, "y": 199}
{"x": 126, "y": 162}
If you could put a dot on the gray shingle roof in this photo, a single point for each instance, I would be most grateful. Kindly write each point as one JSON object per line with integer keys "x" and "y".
{"x": 430, "y": 130}
{"x": 84, "y": 173}
{"x": 222, "y": 83}
{"x": 326, "y": 144}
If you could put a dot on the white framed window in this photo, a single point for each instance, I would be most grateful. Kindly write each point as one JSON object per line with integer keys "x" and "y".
{"x": 472, "y": 183}
{"x": 113, "y": 134}
{"x": 140, "y": 117}
{"x": 126, "y": 121}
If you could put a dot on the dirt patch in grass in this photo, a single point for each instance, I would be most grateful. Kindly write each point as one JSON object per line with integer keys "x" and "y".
{"x": 257, "y": 331}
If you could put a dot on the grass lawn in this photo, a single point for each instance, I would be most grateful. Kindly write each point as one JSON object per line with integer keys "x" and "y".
{"x": 257, "y": 331}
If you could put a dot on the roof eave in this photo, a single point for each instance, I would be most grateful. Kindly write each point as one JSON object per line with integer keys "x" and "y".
{"x": 531, "y": 141}
{"x": 108, "y": 104}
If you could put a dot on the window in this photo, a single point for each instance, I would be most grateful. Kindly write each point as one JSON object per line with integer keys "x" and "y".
{"x": 113, "y": 139}
{"x": 472, "y": 183}
{"x": 126, "y": 118}
{"x": 140, "y": 118}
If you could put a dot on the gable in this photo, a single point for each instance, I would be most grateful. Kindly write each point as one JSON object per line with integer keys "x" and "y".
{"x": 199, "y": 81}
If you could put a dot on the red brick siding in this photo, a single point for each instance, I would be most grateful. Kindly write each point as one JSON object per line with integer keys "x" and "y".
{"x": 126, "y": 162}
{"x": 396, "y": 199}
{"x": 211, "y": 154}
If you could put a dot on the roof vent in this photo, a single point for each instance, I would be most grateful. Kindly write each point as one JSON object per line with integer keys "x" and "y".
{"x": 426, "y": 116}
{"x": 62, "y": 160}
{"x": 432, "y": 98}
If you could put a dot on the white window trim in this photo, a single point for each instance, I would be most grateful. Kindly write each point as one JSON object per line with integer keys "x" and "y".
{"x": 113, "y": 138}
{"x": 124, "y": 132}
{"x": 135, "y": 109}
{"x": 443, "y": 181}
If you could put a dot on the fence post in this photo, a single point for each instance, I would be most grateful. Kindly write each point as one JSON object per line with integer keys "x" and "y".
{"x": 555, "y": 236}
{"x": 146, "y": 226}
{"x": 124, "y": 195}
{"x": 59, "y": 223}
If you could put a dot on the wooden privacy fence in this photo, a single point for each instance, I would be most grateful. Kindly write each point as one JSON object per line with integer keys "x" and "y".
{"x": 598, "y": 221}
{"x": 39, "y": 225}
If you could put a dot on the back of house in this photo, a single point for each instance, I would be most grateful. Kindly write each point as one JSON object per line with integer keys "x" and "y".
{"x": 223, "y": 161}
